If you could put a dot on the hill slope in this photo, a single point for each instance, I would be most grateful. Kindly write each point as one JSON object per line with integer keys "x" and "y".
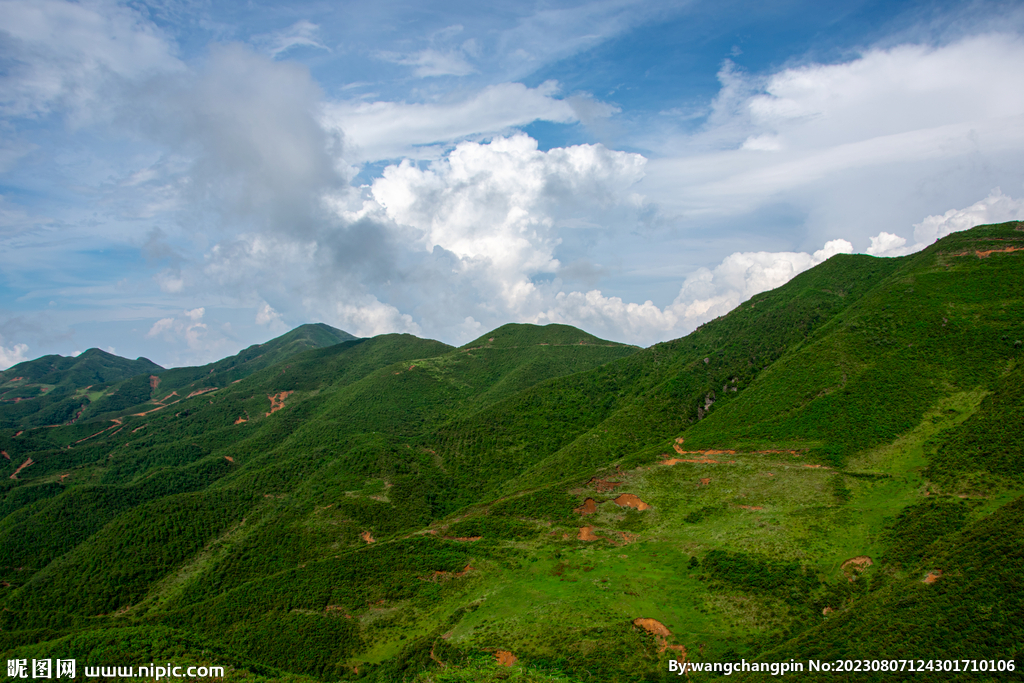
{"x": 822, "y": 473}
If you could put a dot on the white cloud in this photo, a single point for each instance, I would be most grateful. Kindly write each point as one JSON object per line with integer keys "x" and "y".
{"x": 12, "y": 355}
{"x": 704, "y": 295}
{"x": 300, "y": 34}
{"x": 995, "y": 208}
{"x": 371, "y": 317}
{"x": 432, "y": 62}
{"x": 388, "y": 130}
{"x": 63, "y": 54}
{"x": 188, "y": 326}
{"x": 855, "y": 146}
{"x": 267, "y": 315}
{"x": 503, "y": 204}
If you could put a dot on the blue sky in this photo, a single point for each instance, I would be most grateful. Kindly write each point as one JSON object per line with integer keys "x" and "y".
{"x": 179, "y": 180}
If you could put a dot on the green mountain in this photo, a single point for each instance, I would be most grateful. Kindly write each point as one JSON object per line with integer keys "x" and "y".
{"x": 97, "y": 384}
{"x": 832, "y": 470}
{"x": 47, "y": 390}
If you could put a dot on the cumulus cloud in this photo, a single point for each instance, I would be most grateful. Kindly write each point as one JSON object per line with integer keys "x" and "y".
{"x": 388, "y": 130}
{"x": 995, "y": 208}
{"x": 267, "y": 315}
{"x": 12, "y": 355}
{"x": 704, "y": 295}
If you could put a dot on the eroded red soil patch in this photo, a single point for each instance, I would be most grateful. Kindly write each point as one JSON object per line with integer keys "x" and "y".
{"x": 602, "y": 485}
{"x": 987, "y": 252}
{"x": 705, "y": 481}
{"x": 699, "y": 461}
{"x": 589, "y": 507}
{"x": 4, "y": 453}
{"x": 587, "y": 534}
{"x": 366, "y": 536}
{"x": 200, "y": 392}
{"x": 656, "y": 629}
{"x": 505, "y": 658}
{"x": 277, "y": 401}
{"x": 240, "y": 420}
{"x": 628, "y": 500}
{"x": 138, "y": 428}
{"x": 933, "y": 576}
{"x": 154, "y": 382}
{"x": 229, "y": 458}
{"x": 21, "y": 467}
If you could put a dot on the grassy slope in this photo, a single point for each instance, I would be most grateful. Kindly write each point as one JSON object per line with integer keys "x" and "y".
{"x": 855, "y": 425}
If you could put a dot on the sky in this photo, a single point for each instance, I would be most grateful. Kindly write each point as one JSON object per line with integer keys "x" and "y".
{"x": 180, "y": 179}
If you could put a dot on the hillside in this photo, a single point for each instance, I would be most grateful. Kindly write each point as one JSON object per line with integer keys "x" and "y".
{"x": 833, "y": 469}
{"x": 54, "y": 390}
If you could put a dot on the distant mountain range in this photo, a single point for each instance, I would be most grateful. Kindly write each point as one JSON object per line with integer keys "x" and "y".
{"x": 834, "y": 470}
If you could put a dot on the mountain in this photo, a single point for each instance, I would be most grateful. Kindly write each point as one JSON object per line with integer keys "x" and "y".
{"x": 98, "y": 384}
{"x": 52, "y": 389}
{"x": 832, "y": 470}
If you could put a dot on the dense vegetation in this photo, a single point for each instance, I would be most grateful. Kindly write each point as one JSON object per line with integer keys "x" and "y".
{"x": 834, "y": 469}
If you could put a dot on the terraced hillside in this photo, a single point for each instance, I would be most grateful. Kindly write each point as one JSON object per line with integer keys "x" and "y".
{"x": 834, "y": 469}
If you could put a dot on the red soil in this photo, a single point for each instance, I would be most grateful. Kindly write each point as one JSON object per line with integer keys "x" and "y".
{"x": 705, "y": 481}
{"x": 367, "y": 537}
{"x": 277, "y": 401}
{"x": 4, "y": 453}
{"x": 19, "y": 432}
{"x": 154, "y": 382}
{"x": 200, "y": 392}
{"x": 933, "y": 576}
{"x": 589, "y": 506}
{"x": 656, "y": 629}
{"x": 229, "y": 458}
{"x": 505, "y": 658}
{"x": 628, "y": 500}
{"x": 240, "y": 420}
{"x": 587, "y": 534}
{"x": 138, "y": 428}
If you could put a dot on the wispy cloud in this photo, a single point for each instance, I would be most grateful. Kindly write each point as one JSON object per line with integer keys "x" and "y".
{"x": 300, "y": 34}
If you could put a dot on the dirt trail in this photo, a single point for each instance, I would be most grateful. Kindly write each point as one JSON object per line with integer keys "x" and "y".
{"x": 985, "y": 254}
{"x": 587, "y": 534}
{"x": 200, "y": 392}
{"x": 277, "y": 401}
{"x": 628, "y": 500}
{"x": 750, "y": 507}
{"x": 589, "y": 507}
{"x": 505, "y": 658}
{"x": 4, "y": 453}
{"x": 464, "y": 539}
{"x": 23, "y": 466}
{"x": 138, "y": 428}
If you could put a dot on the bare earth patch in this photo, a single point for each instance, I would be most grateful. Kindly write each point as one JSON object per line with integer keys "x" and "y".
{"x": 587, "y": 534}
{"x": 589, "y": 507}
{"x": 154, "y": 382}
{"x": 628, "y": 500}
{"x": 277, "y": 401}
{"x": 933, "y": 576}
{"x": 602, "y": 485}
{"x": 855, "y": 565}
{"x": 367, "y": 537}
{"x": 505, "y": 658}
